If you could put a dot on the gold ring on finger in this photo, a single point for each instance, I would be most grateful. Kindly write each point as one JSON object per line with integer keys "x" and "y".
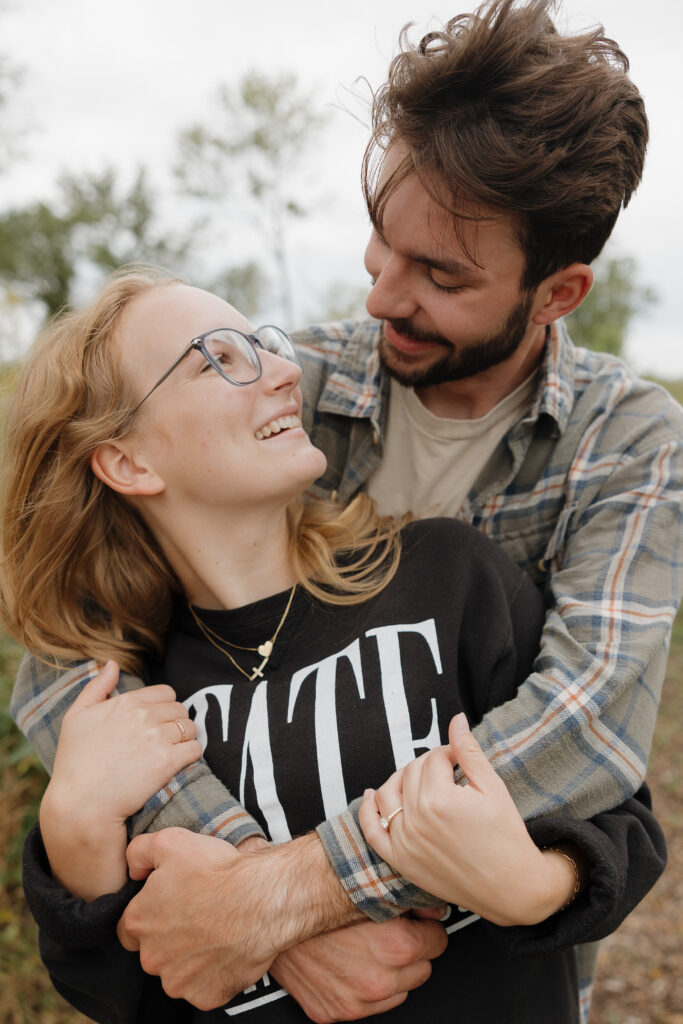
{"x": 385, "y": 823}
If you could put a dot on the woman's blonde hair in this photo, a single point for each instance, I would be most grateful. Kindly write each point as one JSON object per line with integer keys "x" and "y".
{"x": 81, "y": 573}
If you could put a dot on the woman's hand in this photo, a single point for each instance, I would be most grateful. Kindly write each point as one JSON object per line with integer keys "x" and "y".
{"x": 465, "y": 844}
{"x": 113, "y": 754}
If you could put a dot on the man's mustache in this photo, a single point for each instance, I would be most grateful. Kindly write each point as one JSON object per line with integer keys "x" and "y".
{"x": 407, "y": 329}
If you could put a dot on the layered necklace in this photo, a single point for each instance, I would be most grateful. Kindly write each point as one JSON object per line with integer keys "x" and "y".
{"x": 263, "y": 650}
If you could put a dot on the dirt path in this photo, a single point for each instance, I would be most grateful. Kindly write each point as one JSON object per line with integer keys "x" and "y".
{"x": 640, "y": 971}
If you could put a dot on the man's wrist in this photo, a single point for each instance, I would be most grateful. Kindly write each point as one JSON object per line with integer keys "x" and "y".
{"x": 306, "y": 897}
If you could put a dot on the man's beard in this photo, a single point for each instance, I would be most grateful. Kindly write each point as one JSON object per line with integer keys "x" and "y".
{"x": 454, "y": 365}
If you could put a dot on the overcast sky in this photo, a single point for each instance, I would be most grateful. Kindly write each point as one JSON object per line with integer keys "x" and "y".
{"x": 113, "y": 83}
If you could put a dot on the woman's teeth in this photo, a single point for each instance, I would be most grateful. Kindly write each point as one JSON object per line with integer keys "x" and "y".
{"x": 275, "y": 426}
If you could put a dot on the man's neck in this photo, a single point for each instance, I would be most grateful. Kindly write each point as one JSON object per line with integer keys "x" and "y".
{"x": 474, "y": 397}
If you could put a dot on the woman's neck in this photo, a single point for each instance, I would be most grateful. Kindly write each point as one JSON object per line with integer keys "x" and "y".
{"x": 227, "y": 560}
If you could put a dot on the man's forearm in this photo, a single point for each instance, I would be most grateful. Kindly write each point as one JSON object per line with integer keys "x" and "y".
{"x": 306, "y": 897}
{"x": 309, "y": 897}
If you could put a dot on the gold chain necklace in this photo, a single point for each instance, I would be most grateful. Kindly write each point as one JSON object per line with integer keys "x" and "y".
{"x": 264, "y": 650}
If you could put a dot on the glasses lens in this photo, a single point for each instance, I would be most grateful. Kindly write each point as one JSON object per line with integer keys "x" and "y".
{"x": 233, "y": 356}
{"x": 276, "y": 341}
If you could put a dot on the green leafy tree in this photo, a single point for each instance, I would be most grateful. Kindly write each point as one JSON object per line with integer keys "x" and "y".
{"x": 601, "y": 321}
{"x": 93, "y": 223}
{"x": 243, "y": 286}
{"x": 342, "y": 300}
{"x": 122, "y": 226}
{"x": 246, "y": 157}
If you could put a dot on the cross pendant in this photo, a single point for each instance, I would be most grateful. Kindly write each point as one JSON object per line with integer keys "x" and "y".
{"x": 259, "y": 671}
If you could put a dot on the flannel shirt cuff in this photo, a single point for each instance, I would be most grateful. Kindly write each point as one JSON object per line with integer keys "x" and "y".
{"x": 371, "y": 884}
{"x": 216, "y": 814}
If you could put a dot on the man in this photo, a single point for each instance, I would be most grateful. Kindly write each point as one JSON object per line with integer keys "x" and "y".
{"x": 501, "y": 155}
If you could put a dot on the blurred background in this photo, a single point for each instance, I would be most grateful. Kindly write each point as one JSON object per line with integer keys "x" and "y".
{"x": 224, "y": 141}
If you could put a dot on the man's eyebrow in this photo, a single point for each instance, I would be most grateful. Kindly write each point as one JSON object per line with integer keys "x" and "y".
{"x": 452, "y": 267}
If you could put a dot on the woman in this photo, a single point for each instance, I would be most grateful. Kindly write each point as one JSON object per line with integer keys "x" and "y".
{"x": 153, "y": 511}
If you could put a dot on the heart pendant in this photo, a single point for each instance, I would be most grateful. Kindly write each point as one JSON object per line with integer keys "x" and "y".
{"x": 266, "y": 649}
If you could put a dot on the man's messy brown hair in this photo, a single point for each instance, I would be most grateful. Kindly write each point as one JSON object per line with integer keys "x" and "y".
{"x": 502, "y": 111}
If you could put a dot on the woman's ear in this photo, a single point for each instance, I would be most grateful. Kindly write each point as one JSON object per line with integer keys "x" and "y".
{"x": 121, "y": 471}
{"x": 562, "y": 292}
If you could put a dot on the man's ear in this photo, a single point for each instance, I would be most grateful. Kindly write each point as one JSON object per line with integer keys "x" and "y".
{"x": 121, "y": 471}
{"x": 562, "y": 292}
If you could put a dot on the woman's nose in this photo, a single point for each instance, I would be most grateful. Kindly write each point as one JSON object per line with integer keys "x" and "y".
{"x": 278, "y": 372}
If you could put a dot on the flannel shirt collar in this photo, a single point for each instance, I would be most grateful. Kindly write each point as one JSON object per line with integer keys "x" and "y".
{"x": 359, "y": 387}
{"x": 555, "y": 395}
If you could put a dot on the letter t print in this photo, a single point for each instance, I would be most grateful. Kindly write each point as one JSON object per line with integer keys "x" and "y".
{"x": 326, "y": 728}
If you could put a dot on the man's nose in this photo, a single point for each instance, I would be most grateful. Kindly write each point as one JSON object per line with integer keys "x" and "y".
{"x": 391, "y": 296}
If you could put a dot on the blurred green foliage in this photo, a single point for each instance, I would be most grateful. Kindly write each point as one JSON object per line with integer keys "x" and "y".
{"x": 93, "y": 222}
{"x": 601, "y": 322}
{"x": 248, "y": 161}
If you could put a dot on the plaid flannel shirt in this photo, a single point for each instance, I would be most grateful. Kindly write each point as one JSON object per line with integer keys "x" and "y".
{"x": 584, "y": 493}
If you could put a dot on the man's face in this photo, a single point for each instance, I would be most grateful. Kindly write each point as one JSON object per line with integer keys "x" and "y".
{"x": 445, "y": 318}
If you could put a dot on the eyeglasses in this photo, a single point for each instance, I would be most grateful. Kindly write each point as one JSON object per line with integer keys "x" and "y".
{"x": 234, "y": 355}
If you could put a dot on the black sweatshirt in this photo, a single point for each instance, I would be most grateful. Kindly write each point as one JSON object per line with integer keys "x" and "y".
{"x": 348, "y": 694}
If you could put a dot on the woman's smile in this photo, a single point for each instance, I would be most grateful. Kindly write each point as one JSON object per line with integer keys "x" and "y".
{"x": 277, "y": 426}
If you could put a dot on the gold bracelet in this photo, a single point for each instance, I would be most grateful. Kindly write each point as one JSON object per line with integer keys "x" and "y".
{"x": 577, "y": 882}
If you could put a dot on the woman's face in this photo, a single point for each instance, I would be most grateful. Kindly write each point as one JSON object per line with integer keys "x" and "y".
{"x": 203, "y": 436}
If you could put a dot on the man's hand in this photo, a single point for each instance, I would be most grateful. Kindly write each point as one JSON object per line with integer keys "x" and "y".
{"x": 361, "y": 970}
{"x": 210, "y": 920}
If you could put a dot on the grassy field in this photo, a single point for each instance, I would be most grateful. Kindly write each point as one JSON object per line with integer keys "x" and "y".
{"x": 640, "y": 979}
